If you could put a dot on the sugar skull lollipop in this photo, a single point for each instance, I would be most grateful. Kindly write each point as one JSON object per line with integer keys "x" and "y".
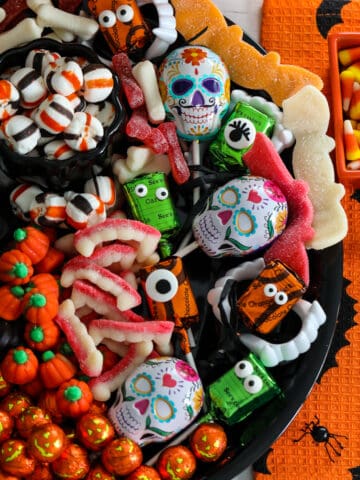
{"x": 195, "y": 88}
{"x": 160, "y": 397}
{"x": 239, "y": 218}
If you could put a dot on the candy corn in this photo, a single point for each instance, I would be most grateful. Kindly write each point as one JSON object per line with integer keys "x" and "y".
{"x": 352, "y": 150}
{"x": 349, "y": 56}
{"x": 347, "y": 80}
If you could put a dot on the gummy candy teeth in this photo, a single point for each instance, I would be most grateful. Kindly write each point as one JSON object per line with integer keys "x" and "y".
{"x": 82, "y": 268}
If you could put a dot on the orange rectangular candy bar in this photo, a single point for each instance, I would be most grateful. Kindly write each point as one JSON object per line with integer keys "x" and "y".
{"x": 269, "y": 297}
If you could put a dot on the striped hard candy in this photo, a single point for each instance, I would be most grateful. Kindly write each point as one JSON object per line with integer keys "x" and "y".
{"x": 103, "y": 111}
{"x": 55, "y": 113}
{"x": 98, "y": 83}
{"x": 31, "y": 86}
{"x": 39, "y": 59}
{"x": 48, "y": 209}
{"x": 9, "y": 99}
{"x": 58, "y": 150}
{"x": 64, "y": 76}
{"x": 84, "y": 132}
{"x": 84, "y": 209}
{"x": 21, "y": 133}
{"x": 21, "y": 198}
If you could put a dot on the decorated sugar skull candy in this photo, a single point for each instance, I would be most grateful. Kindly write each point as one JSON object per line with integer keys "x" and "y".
{"x": 159, "y": 399}
{"x": 195, "y": 88}
{"x": 241, "y": 217}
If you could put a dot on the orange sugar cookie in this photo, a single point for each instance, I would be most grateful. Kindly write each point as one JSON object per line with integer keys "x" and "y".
{"x": 247, "y": 66}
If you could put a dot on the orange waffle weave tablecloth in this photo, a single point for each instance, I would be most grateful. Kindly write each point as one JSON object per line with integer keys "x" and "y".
{"x": 298, "y": 30}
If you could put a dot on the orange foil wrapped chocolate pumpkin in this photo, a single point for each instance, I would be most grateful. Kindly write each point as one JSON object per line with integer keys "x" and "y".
{"x": 270, "y": 297}
{"x": 14, "y": 458}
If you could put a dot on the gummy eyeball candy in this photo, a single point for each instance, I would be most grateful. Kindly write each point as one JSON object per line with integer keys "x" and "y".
{"x": 241, "y": 217}
{"x": 195, "y": 88}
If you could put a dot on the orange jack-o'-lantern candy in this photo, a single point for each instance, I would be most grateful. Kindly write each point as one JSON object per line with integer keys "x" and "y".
{"x": 98, "y": 472}
{"x": 122, "y": 25}
{"x": 14, "y": 403}
{"x": 30, "y": 418}
{"x": 72, "y": 463}
{"x": 208, "y": 442}
{"x": 94, "y": 431}
{"x": 14, "y": 458}
{"x": 6, "y": 426}
{"x": 122, "y": 456}
{"x": 46, "y": 443}
{"x": 144, "y": 473}
{"x": 5, "y": 387}
{"x": 42, "y": 472}
{"x": 176, "y": 462}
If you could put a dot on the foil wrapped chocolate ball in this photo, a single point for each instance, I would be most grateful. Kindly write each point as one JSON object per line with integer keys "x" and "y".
{"x": 122, "y": 456}
{"x": 176, "y": 462}
{"x": 208, "y": 442}
{"x": 94, "y": 431}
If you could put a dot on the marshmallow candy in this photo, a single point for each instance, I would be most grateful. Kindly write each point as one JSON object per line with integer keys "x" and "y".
{"x": 21, "y": 133}
{"x": 64, "y": 76}
{"x": 84, "y": 132}
{"x": 54, "y": 114}
{"x": 98, "y": 83}
{"x": 31, "y": 86}
{"x": 9, "y": 99}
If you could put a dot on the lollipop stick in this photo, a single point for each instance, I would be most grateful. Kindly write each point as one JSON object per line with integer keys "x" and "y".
{"x": 182, "y": 252}
{"x": 196, "y": 161}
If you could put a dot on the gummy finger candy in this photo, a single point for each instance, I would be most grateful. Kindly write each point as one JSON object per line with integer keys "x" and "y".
{"x": 123, "y": 68}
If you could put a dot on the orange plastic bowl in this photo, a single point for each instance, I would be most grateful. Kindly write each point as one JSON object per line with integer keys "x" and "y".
{"x": 337, "y": 42}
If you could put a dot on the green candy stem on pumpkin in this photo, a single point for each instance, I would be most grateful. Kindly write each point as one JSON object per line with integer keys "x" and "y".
{"x": 73, "y": 393}
{"x": 20, "y": 234}
{"x": 19, "y": 270}
{"x": 17, "y": 291}
{"x": 48, "y": 355}
{"x": 20, "y": 357}
{"x": 37, "y": 334}
{"x": 37, "y": 300}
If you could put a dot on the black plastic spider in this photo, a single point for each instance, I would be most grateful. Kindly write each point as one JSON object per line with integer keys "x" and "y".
{"x": 321, "y": 435}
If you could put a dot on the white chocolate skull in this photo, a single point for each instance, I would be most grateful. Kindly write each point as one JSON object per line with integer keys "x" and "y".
{"x": 195, "y": 88}
{"x": 160, "y": 398}
{"x": 241, "y": 217}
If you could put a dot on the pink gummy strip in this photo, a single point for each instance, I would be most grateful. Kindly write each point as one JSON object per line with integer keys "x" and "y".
{"x": 82, "y": 268}
{"x": 139, "y": 128}
{"x": 263, "y": 160}
{"x": 145, "y": 237}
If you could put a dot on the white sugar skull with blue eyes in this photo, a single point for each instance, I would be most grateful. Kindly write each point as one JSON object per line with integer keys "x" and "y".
{"x": 195, "y": 88}
{"x": 241, "y": 217}
{"x": 160, "y": 398}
